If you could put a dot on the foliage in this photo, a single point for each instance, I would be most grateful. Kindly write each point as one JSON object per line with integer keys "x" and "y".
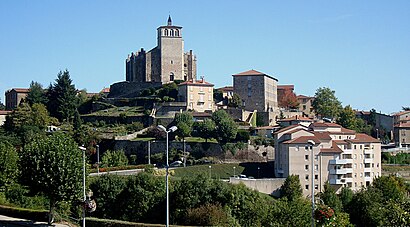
{"x": 87, "y": 136}
{"x": 235, "y": 101}
{"x": 53, "y": 166}
{"x": 288, "y": 100}
{"x": 184, "y": 121}
{"x": 290, "y": 213}
{"x": 243, "y": 135}
{"x": 346, "y": 196}
{"x": 36, "y": 94}
{"x": 210, "y": 215}
{"x": 326, "y": 103}
{"x": 106, "y": 190}
{"x": 405, "y": 108}
{"x": 206, "y": 129}
{"x": 291, "y": 188}
{"x": 168, "y": 92}
{"x": 8, "y": 164}
{"x": 226, "y": 128}
{"x": 330, "y": 198}
{"x": 218, "y": 96}
{"x": 2, "y": 106}
{"x": 347, "y": 118}
{"x": 134, "y": 126}
{"x": 114, "y": 158}
{"x": 62, "y": 96}
{"x": 325, "y": 215}
{"x": 19, "y": 195}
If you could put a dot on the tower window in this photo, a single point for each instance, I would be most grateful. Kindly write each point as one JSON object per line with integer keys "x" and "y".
{"x": 166, "y": 32}
{"x": 172, "y": 62}
{"x": 172, "y": 32}
{"x": 177, "y": 32}
{"x": 171, "y": 77}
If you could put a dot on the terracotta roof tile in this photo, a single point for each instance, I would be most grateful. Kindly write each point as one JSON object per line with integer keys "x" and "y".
{"x": 333, "y": 149}
{"x": 5, "y": 112}
{"x": 322, "y": 135}
{"x": 287, "y": 128}
{"x": 295, "y": 118}
{"x": 325, "y": 124}
{"x": 226, "y": 88}
{"x": 302, "y": 139}
{"x": 403, "y": 125}
{"x": 196, "y": 83}
{"x": 20, "y": 90}
{"x": 363, "y": 138}
{"x": 253, "y": 73}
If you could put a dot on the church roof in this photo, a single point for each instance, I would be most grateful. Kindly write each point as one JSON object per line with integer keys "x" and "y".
{"x": 253, "y": 73}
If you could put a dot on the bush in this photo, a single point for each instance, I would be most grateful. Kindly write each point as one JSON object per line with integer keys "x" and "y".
{"x": 17, "y": 195}
{"x": 114, "y": 158}
{"x": 36, "y": 215}
{"x": 210, "y": 215}
{"x": 242, "y": 135}
{"x": 134, "y": 126}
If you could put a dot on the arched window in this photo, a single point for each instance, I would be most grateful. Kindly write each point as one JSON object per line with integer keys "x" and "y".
{"x": 172, "y": 32}
{"x": 166, "y": 32}
{"x": 171, "y": 77}
{"x": 177, "y": 33}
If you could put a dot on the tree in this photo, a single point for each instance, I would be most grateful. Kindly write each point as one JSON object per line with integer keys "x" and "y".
{"x": 235, "y": 101}
{"x": 405, "y": 108}
{"x": 36, "y": 94}
{"x": 326, "y": 103}
{"x": 53, "y": 166}
{"x": 330, "y": 198}
{"x": 347, "y": 118}
{"x": 206, "y": 129}
{"x": 2, "y": 106}
{"x": 62, "y": 95}
{"x": 291, "y": 188}
{"x": 288, "y": 100}
{"x": 8, "y": 164}
{"x": 184, "y": 122}
{"x": 226, "y": 127}
{"x": 114, "y": 158}
{"x": 346, "y": 196}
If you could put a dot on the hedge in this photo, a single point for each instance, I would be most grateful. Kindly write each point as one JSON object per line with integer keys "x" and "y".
{"x": 35, "y": 215}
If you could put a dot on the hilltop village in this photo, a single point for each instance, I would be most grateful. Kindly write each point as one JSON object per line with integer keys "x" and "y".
{"x": 255, "y": 132}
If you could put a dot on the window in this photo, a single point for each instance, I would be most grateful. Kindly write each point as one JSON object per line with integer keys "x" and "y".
{"x": 355, "y": 166}
{"x": 306, "y": 147}
{"x": 316, "y": 157}
{"x": 172, "y": 32}
{"x": 361, "y": 165}
{"x": 306, "y": 157}
{"x": 355, "y": 156}
{"x": 316, "y": 167}
{"x": 166, "y": 32}
{"x": 306, "y": 167}
{"x": 354, "y": 146}
{"x": 355, "y": 175}
{"x": 210, "y": 106}
{"x": 209, "y": 97}
{"x": 316, "y": 177}
{"x": 307, "y": 187}
{"x": 306, "y": 177}
{"x": 172, "y": 62}
{"x": 171, "y": 77}
{"x": 177, "y": 32}
{"x": 361, "y": 174}
{"x": 316, "y": 186}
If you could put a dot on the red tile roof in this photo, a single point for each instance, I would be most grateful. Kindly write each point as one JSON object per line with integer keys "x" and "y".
{"x": 403, "y": 125}
{"x": 295, "y": 118}
{"x": 322, "y": 135}
{"x": 333, "y": 149}
{"x": 286, "y": 87}
{"x": 302, "y": 139}
{"x": 20, "y": 90}
{"x": 253, "y": 73}
{"x": 297, "y": 130}
{"x": 325, "y": 124}
{"x": 340, "y": 141}
{"x": 287, "y": 128}
{"x": 105, "y": 90}
{"x": 363, "y": 138}
{"x": 196, "y": 83}
{"x": 401, "y": 113}
{"x": 5, "y": 112}
{"x": 226, "y": 88}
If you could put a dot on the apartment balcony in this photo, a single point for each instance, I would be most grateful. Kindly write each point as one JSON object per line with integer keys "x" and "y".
{"x": 368, "y": 151}
{"x": 368, "y": 178}
{"x": 368, "y": 170}
{"x": 348, "y": 151}
{"x": 341, "y": 171}
{"x": 368, "y": 160}
{"x": 348, "y": 179}
{"x": 340, "y": 161}
{"x": 337, "y": 181}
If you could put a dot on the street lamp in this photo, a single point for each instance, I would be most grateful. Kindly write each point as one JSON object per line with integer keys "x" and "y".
{"x": 210, "y": 174}
{"x": 258, "y": 171}
{"x": 312, "y": 143}
{"x": 84, "y": 196}
{"x": 234, "y": 171}
{"x": 98, "y": 158}
{"x": 172, "y": 129}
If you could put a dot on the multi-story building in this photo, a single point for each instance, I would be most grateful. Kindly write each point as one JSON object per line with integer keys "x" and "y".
{"x": 306, "y": 105}
{"x": 164, "y": 63}
{"x": 383, "y": 123}
{"x": 227, "y": 92}
{"x": 258, "y": 91}
{"x": 198, "y": 95}
{"x": 14, "y": 97}
{"x": 402, "y": 134}
{"x": 336, "y": 155}
{"x": 401, "y": 117}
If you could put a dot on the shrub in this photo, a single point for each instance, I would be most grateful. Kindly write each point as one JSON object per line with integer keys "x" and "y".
{"x": 242, "y": 135}
{"x": 210, "y": 215}
{"x": 134, "y": 126}
{"x": 114, "y": 158}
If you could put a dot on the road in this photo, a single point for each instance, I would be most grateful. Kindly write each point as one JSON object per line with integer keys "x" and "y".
{"x": 19, "y": 222}
{"x": 119, "y": 172}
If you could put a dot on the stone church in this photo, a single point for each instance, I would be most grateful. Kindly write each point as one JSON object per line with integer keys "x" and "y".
{"x": 164, "y": 63}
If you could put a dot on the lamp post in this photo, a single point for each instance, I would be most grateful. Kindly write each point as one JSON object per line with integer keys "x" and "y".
{"x": 258, "y": 171}
{"x": 149, "y": 152}
{"x": 84, "y": 196}
{"x": 210, "y": 174}
{"x": 172, "y": 129}
{"x": 98, "y": 158}
{"x": 234, "y": 171}
{"x": 312, "y": 143}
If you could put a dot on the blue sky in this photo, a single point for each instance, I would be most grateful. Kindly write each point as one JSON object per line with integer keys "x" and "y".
{"x": 360, "y": 49}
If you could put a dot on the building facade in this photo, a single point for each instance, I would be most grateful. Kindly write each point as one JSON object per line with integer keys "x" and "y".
{"x": 402, "y": 134}
{"x": 306, "y": 105}
{"x": 198, "y": 95}
{"x": 14, "y": 97}
{"x": 164, "y": 63}
{"x": 336, "y": 155}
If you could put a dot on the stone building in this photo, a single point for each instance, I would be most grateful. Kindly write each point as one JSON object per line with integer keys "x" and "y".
{"x": 258, "y": 91}
{"x": 402, "y": 134}
{"x": 164, "y": 63}
{"x": 334, "y": 154}
{"x": 14, "y": 97}
{"x": 197, "y": 94}
{"x": 306, "y": 105}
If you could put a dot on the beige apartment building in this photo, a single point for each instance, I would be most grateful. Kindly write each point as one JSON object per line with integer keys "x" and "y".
{"x": 402, "y": 134}
{"x": 340, "y": 156}
{"x": 198, "y": 95}
{"x": 14, "y": 97}
{"x": 306, "y": 105}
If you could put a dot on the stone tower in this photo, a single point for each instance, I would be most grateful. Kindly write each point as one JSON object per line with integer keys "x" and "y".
{"x": 164, "y": 63}
{"x": 171, "y": 48}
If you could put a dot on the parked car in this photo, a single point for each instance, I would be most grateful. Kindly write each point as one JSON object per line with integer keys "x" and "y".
{"x": 175, "y": 164}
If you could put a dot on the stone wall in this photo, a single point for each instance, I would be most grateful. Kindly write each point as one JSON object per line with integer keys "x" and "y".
{"x": 269, "y": 186}
{"x": 128, "y": 89}
{"x": 145, "y": 120}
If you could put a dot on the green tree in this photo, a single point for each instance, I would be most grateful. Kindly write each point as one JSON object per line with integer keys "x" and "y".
{"x": 226, "y": 128}
{"x": 8, "y": 164}
{"x": 235, "y": 101}
{"x": 62, "y": 95}
{"x": 290, "y": 213}
{"x": 184, "y": 122}
{"x": 206, "y": 129}
{"x": 330, "y": 198}
{"x": 346, "y": 196}
{"x": 53, "y": 166}
{"x": 114, "y": 158}
{"x": 347, "y": 118}
{"x": 326, "y": 103}
{"x": 36, "y": 94}
{"x": 291, "y": 188}
{"x": 2, "y": 106}
{"x": 405, "y": 108}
